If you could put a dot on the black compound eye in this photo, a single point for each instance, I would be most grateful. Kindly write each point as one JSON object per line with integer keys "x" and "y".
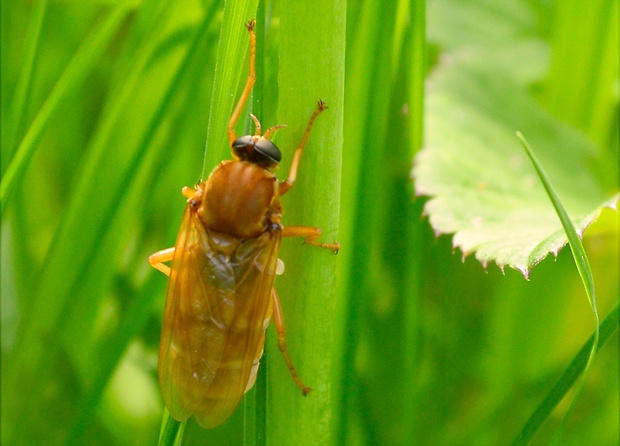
{"x": 268, "y": 150}
{"x": 262, "y": 151}
{"x": 240, "y": 145}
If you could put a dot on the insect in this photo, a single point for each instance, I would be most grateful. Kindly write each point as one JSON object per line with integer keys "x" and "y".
{"x": 221, "y": 296}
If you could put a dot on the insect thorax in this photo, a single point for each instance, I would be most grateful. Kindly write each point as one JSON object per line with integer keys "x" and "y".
{"x": 241, "y": 200}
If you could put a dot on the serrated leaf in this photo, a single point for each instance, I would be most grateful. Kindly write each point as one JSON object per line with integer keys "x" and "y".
{"x": 482, "y": 187}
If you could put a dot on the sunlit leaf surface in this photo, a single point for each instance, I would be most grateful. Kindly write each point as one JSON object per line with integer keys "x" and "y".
{"x": 481, "y": 186}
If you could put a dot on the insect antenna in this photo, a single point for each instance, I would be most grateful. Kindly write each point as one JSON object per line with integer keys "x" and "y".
{"x": 270, "y": 130}
{"x": 257, "y": 124}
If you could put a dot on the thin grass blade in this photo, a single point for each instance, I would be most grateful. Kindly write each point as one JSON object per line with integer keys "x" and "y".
{"x": 583, "y": 266}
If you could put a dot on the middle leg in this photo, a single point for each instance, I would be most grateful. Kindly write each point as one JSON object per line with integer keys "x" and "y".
{"x": 278, "y": 321}
{"x": 310, "y": 234}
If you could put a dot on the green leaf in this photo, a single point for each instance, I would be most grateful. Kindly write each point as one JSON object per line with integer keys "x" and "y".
{"x": 482, "y": 189}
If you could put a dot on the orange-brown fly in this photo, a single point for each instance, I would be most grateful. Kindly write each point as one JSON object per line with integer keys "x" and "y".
{"x": 221, "y": 294}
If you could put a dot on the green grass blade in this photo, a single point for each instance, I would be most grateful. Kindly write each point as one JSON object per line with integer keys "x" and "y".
{"x": 577, "y": 366}
{"x": 584, "y": 37}
{"x": 375, "y": 225}
{"x": 583, "y": 266}
{"x": 255, "y": 409}
{"x": 576, "y": 246}
{"x": 24, "y": 80}
{"x": 412, "y": 230}
{"x": 418, "y": 75}
{"x": 74, "y": 74}
{"x": 311, "y": 66}
{"x": 232, "y": 49}
{"x": 171, "y": 431}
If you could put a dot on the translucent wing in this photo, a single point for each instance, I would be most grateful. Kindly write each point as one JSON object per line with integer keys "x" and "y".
{"x": 218, "y": 305}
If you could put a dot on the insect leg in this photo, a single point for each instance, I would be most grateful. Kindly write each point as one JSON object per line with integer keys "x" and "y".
{"x": 278, "y": 321}
{"x": 157, "y": 260}
{"x": 310, "y": 234}
{"x": 188, "y": 192}
{"x": 292, "y": 173}
{"x": 232, "y": 135}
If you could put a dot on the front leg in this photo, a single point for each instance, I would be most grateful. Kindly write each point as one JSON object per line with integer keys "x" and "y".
{"x": 157, "y": 260}
{"x": 247, "y": 90}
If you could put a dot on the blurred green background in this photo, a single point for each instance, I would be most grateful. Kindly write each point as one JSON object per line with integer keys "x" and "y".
{"x": 105, "y": 107}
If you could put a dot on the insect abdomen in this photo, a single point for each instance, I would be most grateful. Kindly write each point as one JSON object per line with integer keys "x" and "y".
{"x": 232, "y": 320}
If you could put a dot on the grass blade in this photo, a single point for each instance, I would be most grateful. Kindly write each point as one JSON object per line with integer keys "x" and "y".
{"x": 311, "y": 66}
{"x": 568, "y": 378}
{"x": 583, "y": 266}
{"x": 24, "y": 80}
{"x": 171, "y": 431}
{"x": 74, "y": 74}
{"x": 232, "y": 48}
